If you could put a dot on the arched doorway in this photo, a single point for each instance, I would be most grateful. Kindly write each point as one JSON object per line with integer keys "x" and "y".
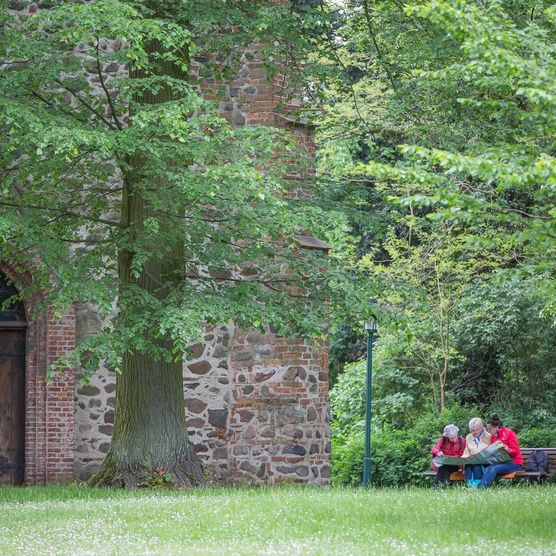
{"x": 13, "y": 328}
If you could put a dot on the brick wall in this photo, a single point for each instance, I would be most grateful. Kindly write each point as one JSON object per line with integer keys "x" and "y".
{"x": 49, "y": 407}
{"x": 60, "y": 402}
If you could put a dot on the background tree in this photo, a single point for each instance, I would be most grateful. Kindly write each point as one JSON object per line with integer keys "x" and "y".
{"x": 436, "y": 118}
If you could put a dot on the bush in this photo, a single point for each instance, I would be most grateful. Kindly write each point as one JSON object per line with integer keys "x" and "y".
{"x": 537, "y": 438}
{"x": 398, "y": 456}
{"x": 399, "y": 459}
{"x": 347, "y": 459}
{"x": 396, "y": 459}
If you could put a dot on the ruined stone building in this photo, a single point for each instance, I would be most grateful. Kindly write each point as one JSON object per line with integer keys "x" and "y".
{"x": 256, "y": 404}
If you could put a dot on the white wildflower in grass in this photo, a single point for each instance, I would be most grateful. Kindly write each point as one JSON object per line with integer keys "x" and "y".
{"x": 290, "y": 521}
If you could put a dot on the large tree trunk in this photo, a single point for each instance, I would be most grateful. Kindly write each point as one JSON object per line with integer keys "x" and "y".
{"x": 149, "y": 440}
{"x": 150, "y": 435}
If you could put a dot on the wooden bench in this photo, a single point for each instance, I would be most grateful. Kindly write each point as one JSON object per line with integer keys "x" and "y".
{"x": 528, "y": 475}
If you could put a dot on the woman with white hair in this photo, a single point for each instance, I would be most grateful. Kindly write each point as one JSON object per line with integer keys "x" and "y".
{"x": 478, "y": 439}
{"x": 449, "y": 444}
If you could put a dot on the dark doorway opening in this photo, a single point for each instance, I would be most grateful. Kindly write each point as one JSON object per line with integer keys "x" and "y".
{"x": 13, "y": 328}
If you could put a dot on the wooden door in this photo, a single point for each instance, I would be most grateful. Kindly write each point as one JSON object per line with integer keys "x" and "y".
{"x": 12, "y": 406}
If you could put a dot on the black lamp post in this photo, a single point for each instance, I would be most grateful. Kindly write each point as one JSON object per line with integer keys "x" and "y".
{"x": 371, "y": 328}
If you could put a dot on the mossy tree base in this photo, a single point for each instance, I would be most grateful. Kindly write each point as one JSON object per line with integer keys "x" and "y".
{"x": 186, "y": 472}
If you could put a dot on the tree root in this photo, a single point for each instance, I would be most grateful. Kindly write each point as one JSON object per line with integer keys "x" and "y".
{"x": 182, "y": 474}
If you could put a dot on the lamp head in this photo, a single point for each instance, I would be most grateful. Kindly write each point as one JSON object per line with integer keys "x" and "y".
{"x": 370, "y": 323}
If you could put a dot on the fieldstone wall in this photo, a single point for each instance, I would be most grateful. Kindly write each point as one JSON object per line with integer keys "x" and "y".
{"x": 256, "y": 408}
{"x": 256, "y": 405}
{"x": 94, "y": 403}
{"x": 278, "y": 427}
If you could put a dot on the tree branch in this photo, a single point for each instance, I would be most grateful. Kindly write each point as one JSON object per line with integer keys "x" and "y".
{"x": 63, "y": 213}
{"x": 370, "y": 28}
{"x": 104, "y": 88}
{"x": 86, "y": 104}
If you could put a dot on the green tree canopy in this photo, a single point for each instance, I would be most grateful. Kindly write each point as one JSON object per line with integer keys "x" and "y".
{"x": 123, "y": 187}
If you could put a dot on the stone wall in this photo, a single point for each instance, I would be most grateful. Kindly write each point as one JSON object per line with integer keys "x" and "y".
{"x": 256, "y": 408}
{"x": 256, "y": 405}
{"x": 278, "y": 426}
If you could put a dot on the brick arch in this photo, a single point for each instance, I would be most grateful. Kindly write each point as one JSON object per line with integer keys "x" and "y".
{"x": 49, "y": 420}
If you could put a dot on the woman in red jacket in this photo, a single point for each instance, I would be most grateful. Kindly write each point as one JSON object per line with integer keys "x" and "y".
{"x": 507, "y": 439}
{"x": 449, "y": 444}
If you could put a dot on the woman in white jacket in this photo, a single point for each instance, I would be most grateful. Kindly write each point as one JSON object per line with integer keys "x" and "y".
{"x": 478, "y": 439}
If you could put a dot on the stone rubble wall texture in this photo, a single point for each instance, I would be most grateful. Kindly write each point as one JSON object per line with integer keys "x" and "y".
{"x": 256, "y": 408}
{"x": 256, "y": 404}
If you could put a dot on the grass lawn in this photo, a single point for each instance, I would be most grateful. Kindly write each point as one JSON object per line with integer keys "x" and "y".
{"x": 78, "y": 520}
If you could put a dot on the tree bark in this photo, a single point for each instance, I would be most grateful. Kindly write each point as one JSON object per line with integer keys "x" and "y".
{"x": 150, "y": 440}
{"x": 150, "y": 433}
